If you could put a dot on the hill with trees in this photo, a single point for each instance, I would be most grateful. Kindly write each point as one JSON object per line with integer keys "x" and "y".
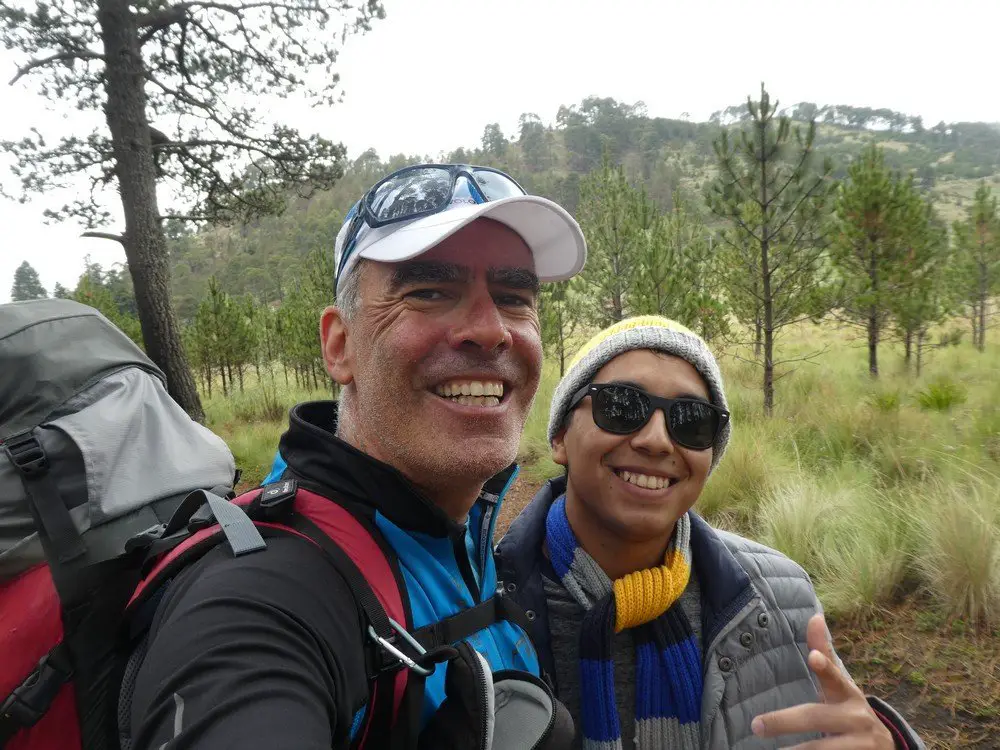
{"x": 664, "y": 156}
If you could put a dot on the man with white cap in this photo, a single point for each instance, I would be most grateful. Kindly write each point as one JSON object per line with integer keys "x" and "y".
{"x": 436, "y": 345}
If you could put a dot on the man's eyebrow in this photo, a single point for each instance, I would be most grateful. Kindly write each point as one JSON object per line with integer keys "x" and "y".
{"x": 514, "y": 278}
{"x": 423, "y": 271}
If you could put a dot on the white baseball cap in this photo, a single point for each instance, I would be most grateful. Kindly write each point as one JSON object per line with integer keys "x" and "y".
{"x": 549, "y": 231}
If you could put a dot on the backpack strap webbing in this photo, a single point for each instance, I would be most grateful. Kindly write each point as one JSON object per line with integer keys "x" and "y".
{"x": 458, "y": 627}
{"x": 381, "y": 663}
{"x": 27, "y": 454}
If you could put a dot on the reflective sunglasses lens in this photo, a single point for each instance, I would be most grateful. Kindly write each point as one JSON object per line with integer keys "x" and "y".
{"x": 693, "y": 424}
{"x": 620, "y": 409}
{"x": 495, "y": 185}
{"x": 415, "y": 192}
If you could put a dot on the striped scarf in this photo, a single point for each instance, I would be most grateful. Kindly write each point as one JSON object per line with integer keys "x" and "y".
{"x": 668, "y": 658}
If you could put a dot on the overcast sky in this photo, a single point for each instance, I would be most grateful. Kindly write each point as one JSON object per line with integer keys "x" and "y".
{"x": 435, "y": 72}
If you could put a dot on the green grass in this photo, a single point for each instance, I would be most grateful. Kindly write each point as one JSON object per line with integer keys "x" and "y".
{"x": 941, "y": 395}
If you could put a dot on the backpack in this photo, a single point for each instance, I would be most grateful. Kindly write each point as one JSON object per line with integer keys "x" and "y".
{"x": 92, "y": 528}
{"x": 93, "y": 451}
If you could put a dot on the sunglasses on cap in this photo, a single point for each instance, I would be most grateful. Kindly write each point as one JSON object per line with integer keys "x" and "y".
{"x": 623, "y": 409}
{"x": 422, "y": 190}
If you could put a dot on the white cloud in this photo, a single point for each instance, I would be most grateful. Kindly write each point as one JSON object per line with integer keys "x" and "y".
{"x": 435, "y": 72}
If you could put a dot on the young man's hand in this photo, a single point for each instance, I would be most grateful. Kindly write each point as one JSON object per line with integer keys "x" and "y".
{"x": 844, "y": 714}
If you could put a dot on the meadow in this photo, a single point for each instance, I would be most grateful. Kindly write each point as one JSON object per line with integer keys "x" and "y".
{"x": 887, "y": 491}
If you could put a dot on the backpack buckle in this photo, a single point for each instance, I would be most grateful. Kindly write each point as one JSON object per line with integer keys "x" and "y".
{"x": 27, "y": 454}
{"x": 275, "y": 499}
{"x": 145, "y": 539}
{"x": 29, "y": 701}
{"x": 400, "y": 658}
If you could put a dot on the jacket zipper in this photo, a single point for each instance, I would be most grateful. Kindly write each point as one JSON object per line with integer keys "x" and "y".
{"x": 486, "y": 527}
{"x": 465, "y": 564}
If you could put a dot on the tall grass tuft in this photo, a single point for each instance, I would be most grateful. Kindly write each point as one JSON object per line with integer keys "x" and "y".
{"x": 959, "y": 554}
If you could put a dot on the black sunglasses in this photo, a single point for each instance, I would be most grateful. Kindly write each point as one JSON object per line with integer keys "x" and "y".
{"x": 624, "y": 409}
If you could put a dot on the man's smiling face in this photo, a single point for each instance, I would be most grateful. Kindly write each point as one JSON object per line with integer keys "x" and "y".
{"x": 444, "y": 356}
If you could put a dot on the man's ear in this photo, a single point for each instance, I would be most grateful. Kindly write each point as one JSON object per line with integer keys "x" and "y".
{"x": 338, "y": 349}
{"x": 559, "y": 448}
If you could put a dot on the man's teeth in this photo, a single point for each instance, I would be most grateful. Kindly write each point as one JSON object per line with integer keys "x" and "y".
{"x": 477, "y": 400}
{"x": 644, "y": 480}
{"x": 473, "y": 392}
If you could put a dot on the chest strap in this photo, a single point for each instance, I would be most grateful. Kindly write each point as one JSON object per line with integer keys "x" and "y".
{"x": 458, "y": 627}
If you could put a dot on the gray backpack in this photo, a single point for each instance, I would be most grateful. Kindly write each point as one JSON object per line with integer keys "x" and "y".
{"x": 94, "y": 455}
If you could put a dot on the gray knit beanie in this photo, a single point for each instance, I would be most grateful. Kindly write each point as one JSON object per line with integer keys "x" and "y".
{"x": 644, "y": 332}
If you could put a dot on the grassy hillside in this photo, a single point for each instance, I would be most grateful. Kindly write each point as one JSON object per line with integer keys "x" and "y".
{"x": 550, "y": 159}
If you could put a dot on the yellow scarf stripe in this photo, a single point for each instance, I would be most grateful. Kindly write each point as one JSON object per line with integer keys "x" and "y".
{"x": 644, "y": 595}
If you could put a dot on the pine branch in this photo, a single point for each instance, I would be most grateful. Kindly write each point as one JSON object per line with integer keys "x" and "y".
{"x": 58, "y": 57}
{"x": 105, "y": 236}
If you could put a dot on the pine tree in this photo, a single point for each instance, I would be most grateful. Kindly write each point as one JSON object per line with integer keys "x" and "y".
{"x": 978, "y": 241}
{"x": 26, "y": 284}
{"x": 615, "y": 218}
{"x": 925, "y": 286}
{"x": 877, "y": 213}
{"x": 769, "y": 190}
{"x": 193, "y": 69}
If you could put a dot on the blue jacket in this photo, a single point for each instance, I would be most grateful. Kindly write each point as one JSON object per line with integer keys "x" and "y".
{"x": 755, "y": 605}
{"x": 447, "y": 567}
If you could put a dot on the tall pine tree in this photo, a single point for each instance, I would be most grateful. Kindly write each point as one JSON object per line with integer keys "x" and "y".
{"x": 775, "y": 198}
{"x": 177, "y": 84}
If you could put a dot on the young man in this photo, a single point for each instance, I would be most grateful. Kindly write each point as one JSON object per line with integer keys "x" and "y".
{"x": 656, "y": 628}
{"x": 435, "y": 342}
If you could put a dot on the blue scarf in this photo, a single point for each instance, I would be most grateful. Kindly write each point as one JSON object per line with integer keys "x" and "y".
{"x": 668, "y": 656}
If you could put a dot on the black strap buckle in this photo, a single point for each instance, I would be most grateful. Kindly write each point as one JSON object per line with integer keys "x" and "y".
{"x": 275, "y": 500}
{"x": 145, "y": 539}
{"x": 27, "y": 454}
{"x": 29, "y": 701}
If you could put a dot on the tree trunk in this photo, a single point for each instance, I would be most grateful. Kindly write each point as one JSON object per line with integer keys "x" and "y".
{"x": 920, "y": 351}
{"x": 873, "y": 341}
{"x": 873, "y": 314}
{"x": 232, "y": 380}
{"x": 208, "y": 380}
{"x": 256, "y": 367}
{"x": 759, "y": 337}
{"x": 974, "y": 319}
{"x": 908, "y": 341}
{"x": 225, "y": 387}
{"x": 284, "y": 367}
{"x": 562, "y": 352}
{"x": 144, "y": 242}
{"x": 239, "y": 373}
{"x": 768, "y": 327}
{"x": 984, "y": 296}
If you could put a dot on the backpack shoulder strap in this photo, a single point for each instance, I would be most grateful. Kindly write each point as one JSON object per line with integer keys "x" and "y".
{"x": 353, "y": 544}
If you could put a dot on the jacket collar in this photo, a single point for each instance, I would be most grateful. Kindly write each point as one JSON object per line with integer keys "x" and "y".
{"x": 725, "y": 585}
{"x": 314, "y": 453}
